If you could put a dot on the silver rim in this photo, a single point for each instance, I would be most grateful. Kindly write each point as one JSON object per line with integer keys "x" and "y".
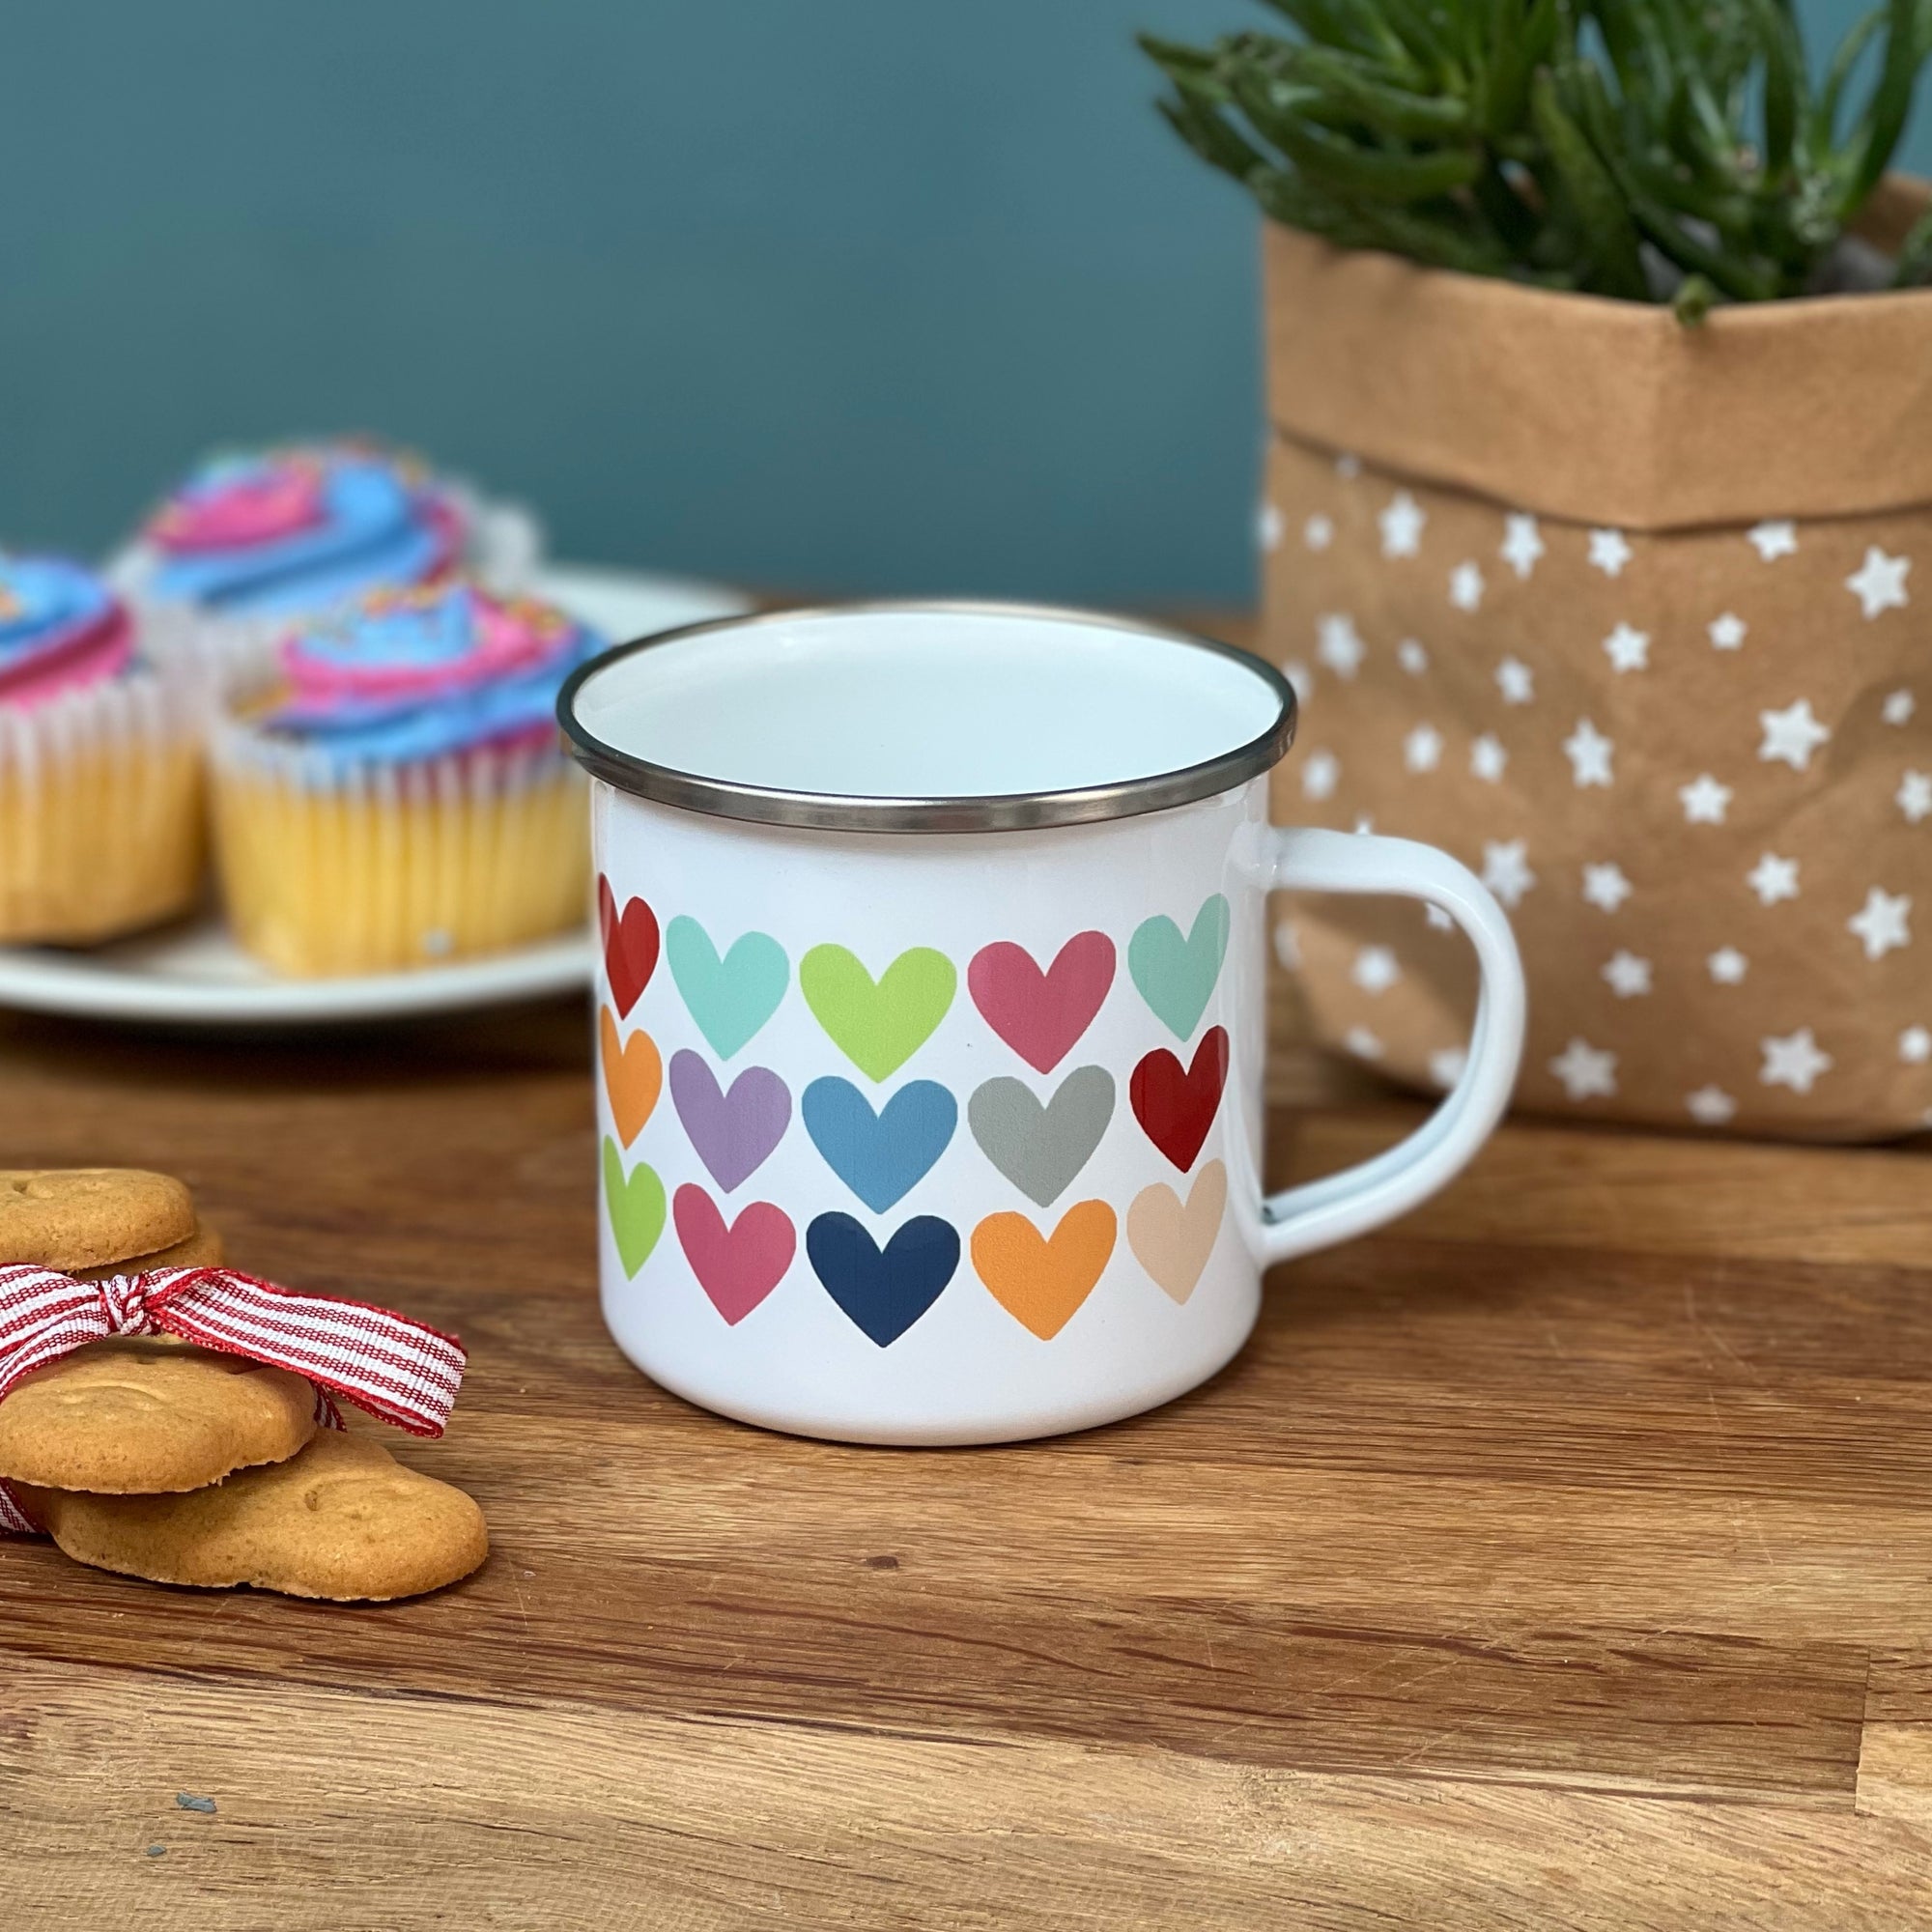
{"x": 1017, "y": 811}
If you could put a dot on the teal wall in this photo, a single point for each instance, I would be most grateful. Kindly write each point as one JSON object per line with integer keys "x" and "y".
{"x": 860, "y": 295}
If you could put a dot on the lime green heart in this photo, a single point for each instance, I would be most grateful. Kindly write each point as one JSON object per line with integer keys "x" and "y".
{"x": 1177, "y": 975}
{"x": 730, "y": 998}
{"x": 635, "y": 1206}
{"x": 878, "y": 1026}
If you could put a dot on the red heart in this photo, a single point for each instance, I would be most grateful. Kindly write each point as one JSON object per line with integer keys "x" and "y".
{"x": 739, "y": 1266}
{"x": 1176, "y": 1109}
{"x": 630, "y": 945}
{"x": 1041, "y": 1016}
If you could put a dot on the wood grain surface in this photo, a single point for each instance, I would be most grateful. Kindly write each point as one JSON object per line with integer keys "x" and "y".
{"x": 1561, "y": 1557}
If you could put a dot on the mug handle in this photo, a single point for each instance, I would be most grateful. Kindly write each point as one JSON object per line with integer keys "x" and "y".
{"x": 1340, "y": 1205}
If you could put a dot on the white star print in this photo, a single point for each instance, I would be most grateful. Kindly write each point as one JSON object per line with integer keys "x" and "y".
{"x": 1773, "y": 879}
{"x": 1627, "y": 975}
{"x": 1879, "y": 582}
{"x": 1913, "y": 796}
{"x": 1609, "y": 552}
{"x": 1898, "y": 707}
{"x": 1402, "y": 525}
{"x": 1287, "y": 945}
{"x": 1301, "y": 677}
{"x": 1606, "y": 886}
{"x": 1506, "y": 870}
{"x": 1376, "y": 969}
{"x": 1348, "y": 466}
{"x": 1422, "y": 749}
{"x": 1726, "y": 633}
{"x": 1340, "y": 648}
{"x": 1880, "y": 923}
{"x": 1319, "y": 774}
{"x": 1411, "y": 657}
{"x": 1438, "y": 919}
{"x": 1318, "y": 532}
{"x": 1364, "y": 825}
{"x": 1447, "y": 1065}
{"x": 1589, "y": 753}
{"x": 1914, "y": 1045}
{"x": 1487, "y": 757}
{"x": 1793, "y": 1060}
{"x": 1709, "y": 1106}
{"x": 1704, "y": 801}
{"x": 1791, "y": 734}
{"x": 1727, "y": 966}
{"x": 1585, "y": 1070}
{"x": 1773, "y": 540}
{"x": 1362, "y": 1043}
{"x": 1465, "y": 587}
{"x": 1267, "y": 526}
{"x": 1516, "y": 681}
{"x": 1522, "y": 543}
{"x": 1628, "y": 648}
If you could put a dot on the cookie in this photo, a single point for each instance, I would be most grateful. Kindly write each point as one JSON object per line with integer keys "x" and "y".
{"x": 142, "y": 1414}
{"x": 203, "y": 1249}
{"x": 344, "y": 1520}
{"x": 83, "y": 1217}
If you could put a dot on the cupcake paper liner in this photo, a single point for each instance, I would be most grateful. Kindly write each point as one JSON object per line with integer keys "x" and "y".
{"x": 102, "y": 813}
{"x": 386, "y": 867}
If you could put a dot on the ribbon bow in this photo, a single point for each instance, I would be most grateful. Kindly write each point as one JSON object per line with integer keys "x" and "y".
{"x": 396, "y": 1368}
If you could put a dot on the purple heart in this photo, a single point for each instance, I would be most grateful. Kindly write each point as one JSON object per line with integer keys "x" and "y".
{"x": 732, "y": 1132}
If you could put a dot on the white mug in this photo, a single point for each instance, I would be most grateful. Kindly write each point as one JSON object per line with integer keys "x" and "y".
{"x": 931, "y": 1020}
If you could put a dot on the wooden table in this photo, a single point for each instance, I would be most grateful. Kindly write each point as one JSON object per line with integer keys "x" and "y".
{"x": 1560, "y": 1558}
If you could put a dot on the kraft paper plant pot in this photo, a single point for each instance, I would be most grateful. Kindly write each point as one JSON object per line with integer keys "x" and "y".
{"x": 1636, "y": 621}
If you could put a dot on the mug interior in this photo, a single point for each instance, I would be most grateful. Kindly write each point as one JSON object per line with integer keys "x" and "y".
{"x": 928, "y": 702}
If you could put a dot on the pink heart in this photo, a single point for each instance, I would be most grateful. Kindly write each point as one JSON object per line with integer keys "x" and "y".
{"x": 1041, "y": 1016}
{"x": 736, "y": 1266}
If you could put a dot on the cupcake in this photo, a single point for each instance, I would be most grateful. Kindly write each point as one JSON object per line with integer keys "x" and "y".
{"x": 250, "y": 542}
{"x": 398, "y": 796}
{"x": 101, "y": 821}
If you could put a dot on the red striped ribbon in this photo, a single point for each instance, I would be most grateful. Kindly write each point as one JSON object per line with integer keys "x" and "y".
{"x": 396, "y": 1368}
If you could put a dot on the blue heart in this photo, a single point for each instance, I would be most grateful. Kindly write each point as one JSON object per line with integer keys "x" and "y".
{"x": 879, "y": 1157}
{"x": 883, "y": 1294}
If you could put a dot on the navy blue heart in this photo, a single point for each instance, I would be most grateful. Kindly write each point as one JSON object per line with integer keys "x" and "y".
{"x": 883, "y": 1294}
{"x": 879, "y": 1157}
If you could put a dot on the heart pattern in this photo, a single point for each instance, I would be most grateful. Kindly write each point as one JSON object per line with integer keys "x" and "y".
{"x": 883, "y": 1293}
{"x": 1041, "y": 1015}
{"x": 1177, "y": 975}
{"x": 882, "y": 1156}
{"x": 739, "y": 1264}
{"x": 1041, "y": 1281}
{"x": 1171, "y": 1239}
{"x": 1175, "y": 1106}
{"x": 1041, "y": 1149}
{"x": 734, "y": 1133}
{"x": 630, "y": 945}
{"x": 730, "y": 999}
{"x": 633, "y": 1075}
{"x": 879, "y": 1025}
{"x": 1038, "y": 1144}
{"x": 635, "y": 1206}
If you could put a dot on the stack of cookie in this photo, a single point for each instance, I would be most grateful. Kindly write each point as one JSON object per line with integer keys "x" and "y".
{"x": 152, "y": 1456}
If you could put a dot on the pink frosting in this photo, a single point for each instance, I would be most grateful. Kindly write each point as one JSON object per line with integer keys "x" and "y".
{"x": 255, "y": 507}
{"x": 89, "y": 654}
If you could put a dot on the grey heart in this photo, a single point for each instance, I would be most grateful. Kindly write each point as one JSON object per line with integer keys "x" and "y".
{"x": 1040, "y": 1149}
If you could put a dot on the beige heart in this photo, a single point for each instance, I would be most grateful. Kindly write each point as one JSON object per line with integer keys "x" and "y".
{"x": 1173, "y": 1242}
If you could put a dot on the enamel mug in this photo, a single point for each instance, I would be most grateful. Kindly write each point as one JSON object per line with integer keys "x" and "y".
{"x": 930, "y": 1028}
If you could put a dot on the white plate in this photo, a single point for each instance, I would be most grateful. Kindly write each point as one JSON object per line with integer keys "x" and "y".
{"x": 195, "y": 975}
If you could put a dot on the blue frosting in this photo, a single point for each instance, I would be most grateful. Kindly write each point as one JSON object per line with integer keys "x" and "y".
{"x": 375, "y": 530}
{"x": 44, "y": 598}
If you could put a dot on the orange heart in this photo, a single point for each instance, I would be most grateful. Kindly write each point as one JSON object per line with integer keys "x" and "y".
{"x": 1041, "y": 1282}
{"x": 633, "y": 1075}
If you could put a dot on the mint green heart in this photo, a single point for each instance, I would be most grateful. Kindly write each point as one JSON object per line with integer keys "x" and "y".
{"x": 635, "y": 1206}
{"x": 1176, "y": 976}
{"x": 877, "y": 1027}
{"x": 730, "y": 998}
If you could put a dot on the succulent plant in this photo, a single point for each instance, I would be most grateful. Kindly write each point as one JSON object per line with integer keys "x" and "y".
{"x": 1657, "y": 150}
